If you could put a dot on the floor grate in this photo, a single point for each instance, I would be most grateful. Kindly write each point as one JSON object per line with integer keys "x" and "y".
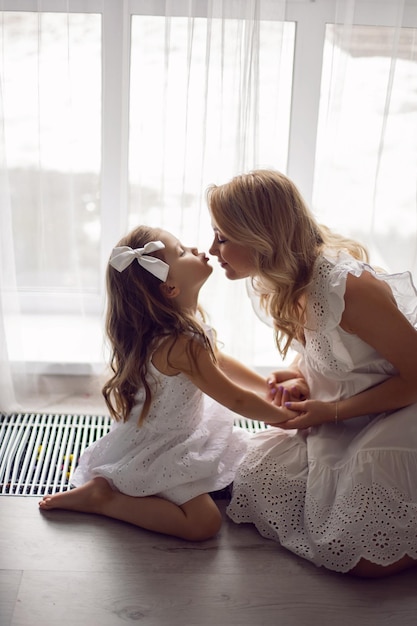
{"x": 39, "y": 452}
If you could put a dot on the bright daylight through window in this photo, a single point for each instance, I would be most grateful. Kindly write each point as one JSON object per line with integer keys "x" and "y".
{"x": 113, "y": 119}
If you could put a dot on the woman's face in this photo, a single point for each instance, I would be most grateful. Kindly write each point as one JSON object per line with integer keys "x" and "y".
{"x": 236, "y": 259}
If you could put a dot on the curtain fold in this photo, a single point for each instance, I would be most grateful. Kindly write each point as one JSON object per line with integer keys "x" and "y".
{"x": 125, "y": 113}
{"x": 8, "y": 303}
{"x": 366, "y": 162}
{"x": 6, "y": 269}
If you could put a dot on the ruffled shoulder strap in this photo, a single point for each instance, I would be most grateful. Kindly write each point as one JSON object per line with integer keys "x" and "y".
{"x": 325, "y": 306}
{"x": 326, "y": 303}
{"x": 329, "y": 286}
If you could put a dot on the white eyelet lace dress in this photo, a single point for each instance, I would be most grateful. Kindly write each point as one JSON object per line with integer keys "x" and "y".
{"x": 188, "y": 445}
{"x": 346, "y": 491}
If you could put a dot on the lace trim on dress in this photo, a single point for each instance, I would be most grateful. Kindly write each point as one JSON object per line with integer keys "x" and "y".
{"x": 324, "y": 350}
{"x": 372, "y": 521}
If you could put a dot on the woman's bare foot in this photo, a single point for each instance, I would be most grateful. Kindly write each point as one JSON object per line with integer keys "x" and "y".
{"x": 88, "y": 498}
{"x": 367, "y": 569}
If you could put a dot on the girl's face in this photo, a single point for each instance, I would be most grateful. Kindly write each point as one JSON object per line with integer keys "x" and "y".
{"x": 234, "y": 258}
{"x": 188, "y": 268}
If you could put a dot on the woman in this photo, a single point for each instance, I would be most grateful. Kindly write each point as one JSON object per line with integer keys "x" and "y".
{"x": 337, "y": 483}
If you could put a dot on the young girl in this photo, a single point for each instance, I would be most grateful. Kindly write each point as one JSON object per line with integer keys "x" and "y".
{"x": 170, "y": 444}
{"x": 341, "y": 489}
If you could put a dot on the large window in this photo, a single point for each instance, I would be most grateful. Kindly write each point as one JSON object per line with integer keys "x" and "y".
{"x": 119, "y": 113}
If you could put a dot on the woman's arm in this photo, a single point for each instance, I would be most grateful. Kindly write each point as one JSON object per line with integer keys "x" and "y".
{"x": 372, "y": 314}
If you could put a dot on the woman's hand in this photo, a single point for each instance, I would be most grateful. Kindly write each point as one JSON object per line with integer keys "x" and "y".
{"x": 290, "y": 382}
{"x": 309, "y": 413}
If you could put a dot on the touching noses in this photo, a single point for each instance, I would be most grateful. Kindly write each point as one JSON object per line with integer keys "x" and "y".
{"x": 213, "y": 250}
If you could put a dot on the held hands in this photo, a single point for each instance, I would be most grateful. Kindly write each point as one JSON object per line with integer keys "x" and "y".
{"x": 286, "y": 386}
{"x": 289, "y": 390}
{"x": 308, "y": 413}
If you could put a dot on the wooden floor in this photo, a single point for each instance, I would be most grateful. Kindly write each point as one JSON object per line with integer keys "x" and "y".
{"x": 62, "y": 568}
{"x": 71, "y": 569}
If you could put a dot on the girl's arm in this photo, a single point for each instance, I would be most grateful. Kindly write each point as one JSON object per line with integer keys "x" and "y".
{"x": 212, "y": 381}
{"x": 285, "y": 384}
{"x": 372, "y": 314}
{"x": 242, "y": 375}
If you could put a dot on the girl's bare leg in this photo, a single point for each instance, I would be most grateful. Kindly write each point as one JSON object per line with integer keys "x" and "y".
{"x": 367, "y": 569}
{"x": 196, "y": 520}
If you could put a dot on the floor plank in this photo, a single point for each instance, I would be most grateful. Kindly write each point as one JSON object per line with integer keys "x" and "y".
{"x": 10, "y": 581}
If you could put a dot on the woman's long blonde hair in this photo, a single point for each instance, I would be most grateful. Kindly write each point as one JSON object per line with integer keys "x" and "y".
{"x": 138, "y": 317}
{"x": 264, "y": 211}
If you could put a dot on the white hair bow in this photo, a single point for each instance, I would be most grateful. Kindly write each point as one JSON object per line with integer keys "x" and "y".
{"x": 123, "y": 256}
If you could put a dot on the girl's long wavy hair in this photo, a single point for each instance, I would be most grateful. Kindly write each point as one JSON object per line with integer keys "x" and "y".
{"x": 138, "y": 317}
{"x": 264, "y": 211}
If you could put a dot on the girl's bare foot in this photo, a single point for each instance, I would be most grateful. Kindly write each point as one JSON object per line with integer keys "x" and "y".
{"x": 88, "y": 498}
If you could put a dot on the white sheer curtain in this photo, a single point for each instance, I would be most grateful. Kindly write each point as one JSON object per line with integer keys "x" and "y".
{"x": 118, "y": 113}
{"x": 366, "y": 161}
{"x": 50, "y": 157}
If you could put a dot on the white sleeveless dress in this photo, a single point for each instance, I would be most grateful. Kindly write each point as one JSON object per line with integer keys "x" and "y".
{"x": 346, "y": 491}
{"x": 188, "y": 445}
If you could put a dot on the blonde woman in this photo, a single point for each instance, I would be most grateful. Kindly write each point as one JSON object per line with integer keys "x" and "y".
{"x": 337, "y": 483}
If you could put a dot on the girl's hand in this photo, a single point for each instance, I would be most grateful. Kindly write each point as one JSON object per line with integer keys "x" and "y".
{"x": 288, "y": 415}
{"x": 285, "y": 410}
{"x": 309, "y": 413}
{"x": 295, "y": 389}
